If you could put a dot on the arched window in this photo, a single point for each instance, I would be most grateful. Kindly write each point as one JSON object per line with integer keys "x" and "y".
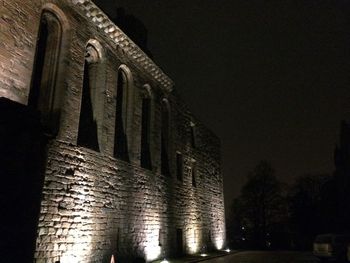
{"x": 44, "y": 96}
{"x": 120, "y": 136}
{"x": 193, "y": 134}
{"x": 146, "y": 160}
{"x": 89, "y": 112}
{"x": 179, "y": 166}
{"x": 165, "y": 122}
{"x": 193, "y": 172}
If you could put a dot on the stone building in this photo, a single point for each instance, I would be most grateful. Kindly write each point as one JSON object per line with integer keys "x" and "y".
{"x": 119, "y": 164}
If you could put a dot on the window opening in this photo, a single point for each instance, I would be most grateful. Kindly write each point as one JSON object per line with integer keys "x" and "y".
{"x": 87, "y": 133}
{"x": 193, "y": 173}
{"x": 193, "y": 135}
{"x": 145, "y": 134}
{"x": 44, "y": 95}
{"x": 179, "y": 166}
{"x": 120, "y": 139}
{"x": 165, "y": 169}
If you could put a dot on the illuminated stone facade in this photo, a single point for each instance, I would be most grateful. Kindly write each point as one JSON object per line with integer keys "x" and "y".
{"x": 129, "y": 171}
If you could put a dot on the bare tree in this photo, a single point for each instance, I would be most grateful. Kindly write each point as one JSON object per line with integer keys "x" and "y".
{"x": 260, "y": 208}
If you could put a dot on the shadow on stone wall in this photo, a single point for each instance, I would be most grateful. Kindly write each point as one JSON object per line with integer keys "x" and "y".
{"x": 22, "y": 158}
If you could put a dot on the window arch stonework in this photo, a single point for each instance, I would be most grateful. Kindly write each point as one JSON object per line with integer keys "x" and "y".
{"x": 45, "y": 95}
{"x": 90, "y": 132}
{"x": 124, "y": 115}
{"x": 47, "y": 89}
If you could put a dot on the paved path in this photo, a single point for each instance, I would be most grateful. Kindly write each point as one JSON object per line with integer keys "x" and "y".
{"x": 266, "y": 257}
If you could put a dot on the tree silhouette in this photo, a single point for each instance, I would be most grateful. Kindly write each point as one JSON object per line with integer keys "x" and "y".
{"x": 260, "y": 209}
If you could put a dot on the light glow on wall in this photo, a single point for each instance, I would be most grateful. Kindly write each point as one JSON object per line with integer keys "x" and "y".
{"x": 79, "y": 251}
{"x": 152, "y": 252}
{"x": 193, "y": 240}
{"x": 153, "y": 248}
{"x": 219, "y": 243}
{"x": 218, "y": 233}
{"x": 78, "y": 239}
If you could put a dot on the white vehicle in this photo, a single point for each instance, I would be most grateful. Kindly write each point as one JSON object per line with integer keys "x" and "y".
{"x": 331, "y": 247}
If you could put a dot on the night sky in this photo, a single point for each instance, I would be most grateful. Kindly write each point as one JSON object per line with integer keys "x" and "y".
{"x": 270, "y": 78}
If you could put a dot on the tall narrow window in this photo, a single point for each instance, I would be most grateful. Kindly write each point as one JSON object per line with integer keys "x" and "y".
{"x": 44, "y": 95}
{"x": 87, "y": 133}
{"x": 179, "y": 166}
{"x": 165, "y": 169}
{"x": 120, "y": 136}
{"x": 179, "y": 242}
{"x": 193, "y": 173}
{"x": 146, "y": 133}
{"x": 160, "y": 237}
{"x": 193, "y": 134}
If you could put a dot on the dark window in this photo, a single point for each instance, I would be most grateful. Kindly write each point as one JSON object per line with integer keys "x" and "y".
{"x": 179, "y": 166}
{"x": 160, "y": 237}
{"x": 120, "y": 137}
{"x": 179, "y": 242}
{"x": 87, "y": 133}
{"x": 44, "y": 96}
{"x": 193, "y": 174}
{"x": 193, "y": 135}
{"x": 145, "y": 134}
{"x": 165, "y": 169}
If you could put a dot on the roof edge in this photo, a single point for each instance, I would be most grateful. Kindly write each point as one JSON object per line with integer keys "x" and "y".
{"x": 134, "y": 52}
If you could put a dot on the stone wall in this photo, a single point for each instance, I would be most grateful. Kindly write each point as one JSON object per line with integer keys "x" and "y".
{"x": 93, "y": 205}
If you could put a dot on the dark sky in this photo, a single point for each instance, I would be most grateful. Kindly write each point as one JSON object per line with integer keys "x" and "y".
{"x": 270, "y": 78}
